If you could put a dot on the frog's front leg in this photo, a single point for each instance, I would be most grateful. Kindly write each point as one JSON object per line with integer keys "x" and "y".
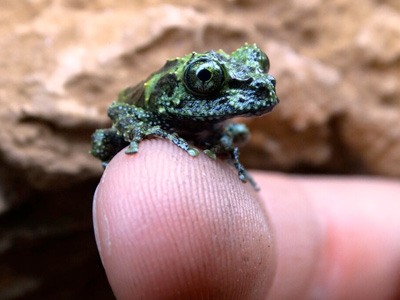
{"x": 136, "y": 133}
{"x": 233, "y": 135}
{"x": 135, "y": 124}
{"x": 174, "y": 138}
{"x": 242, "y": 172}
{"x": 237, "y": 134}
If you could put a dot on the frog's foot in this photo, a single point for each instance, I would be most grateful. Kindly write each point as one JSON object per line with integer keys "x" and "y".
{"x": 174, "y": 138}
{"x": 242, "y": 172}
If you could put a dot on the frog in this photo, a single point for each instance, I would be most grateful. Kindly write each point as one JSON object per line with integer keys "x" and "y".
{"x": 190, "y": 102}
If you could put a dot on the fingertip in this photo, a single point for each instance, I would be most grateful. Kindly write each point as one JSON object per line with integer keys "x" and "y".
{"x": 170, "y": 225}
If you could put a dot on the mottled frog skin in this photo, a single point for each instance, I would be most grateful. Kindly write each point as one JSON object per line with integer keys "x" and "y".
{"x": 188, "y": 102}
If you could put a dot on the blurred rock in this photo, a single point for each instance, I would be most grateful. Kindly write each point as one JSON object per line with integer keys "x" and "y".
{"x": 379, "y": 38}
{"x": 64, "y": 62}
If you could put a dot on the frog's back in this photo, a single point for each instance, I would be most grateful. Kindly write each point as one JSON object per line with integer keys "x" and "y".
{"x": 133, "y": 95}
{"x": 136, "y": 95}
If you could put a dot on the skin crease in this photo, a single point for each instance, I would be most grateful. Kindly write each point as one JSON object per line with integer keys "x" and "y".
{"x": 170, "y": 226}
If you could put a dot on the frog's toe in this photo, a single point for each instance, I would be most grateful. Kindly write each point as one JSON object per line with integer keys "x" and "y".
{"x": 242, "y": 177}
{"x": 210, "y": 154}
{"x": 193, "y": 151}
{"x": 132, "y": 148}
{"x": 246, "y": 177}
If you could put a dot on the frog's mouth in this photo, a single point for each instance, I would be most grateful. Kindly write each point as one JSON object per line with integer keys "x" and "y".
{"x": 223, "y": 108}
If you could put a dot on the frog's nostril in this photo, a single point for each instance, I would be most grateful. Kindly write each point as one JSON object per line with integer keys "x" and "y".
{"x": 272, "y": 80}
{"x": 258, "y": 84}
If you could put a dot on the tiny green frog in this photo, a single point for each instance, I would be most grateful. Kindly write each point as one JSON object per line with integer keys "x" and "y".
{"x": 188, "y": 102}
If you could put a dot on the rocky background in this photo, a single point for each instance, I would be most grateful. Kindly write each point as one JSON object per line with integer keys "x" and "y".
{"x": 337, "y": 65}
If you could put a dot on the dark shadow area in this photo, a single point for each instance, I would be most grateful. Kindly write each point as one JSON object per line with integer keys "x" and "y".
{"x": 48, "y": 250}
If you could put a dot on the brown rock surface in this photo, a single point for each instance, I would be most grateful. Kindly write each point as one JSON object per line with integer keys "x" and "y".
{"x": 337, "y": 65}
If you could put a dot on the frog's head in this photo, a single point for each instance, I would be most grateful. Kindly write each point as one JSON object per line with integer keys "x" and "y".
{"x": 213, "y": 86}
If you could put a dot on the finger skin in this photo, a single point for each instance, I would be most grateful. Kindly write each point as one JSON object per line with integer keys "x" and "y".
{"x": 360, "y": 223}
{"x": 336, "y": 238}
{"x": 170, "y": 226}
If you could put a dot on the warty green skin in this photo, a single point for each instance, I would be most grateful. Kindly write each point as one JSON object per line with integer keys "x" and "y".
{"x": 188, "y": 102}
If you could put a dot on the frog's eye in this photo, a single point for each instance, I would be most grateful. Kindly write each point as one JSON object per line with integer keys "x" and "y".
{"x": 265, "y": 64}
{"x": 204, "y": 76}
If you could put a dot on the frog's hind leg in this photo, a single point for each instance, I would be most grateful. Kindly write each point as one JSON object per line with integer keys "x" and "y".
{"x": 106, "y": 143}
{"x": 242, "y": 172}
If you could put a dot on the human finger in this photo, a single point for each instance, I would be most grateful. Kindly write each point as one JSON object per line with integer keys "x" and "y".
{"x": 337, "y": 237}
{"x": 172, "y": 226}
